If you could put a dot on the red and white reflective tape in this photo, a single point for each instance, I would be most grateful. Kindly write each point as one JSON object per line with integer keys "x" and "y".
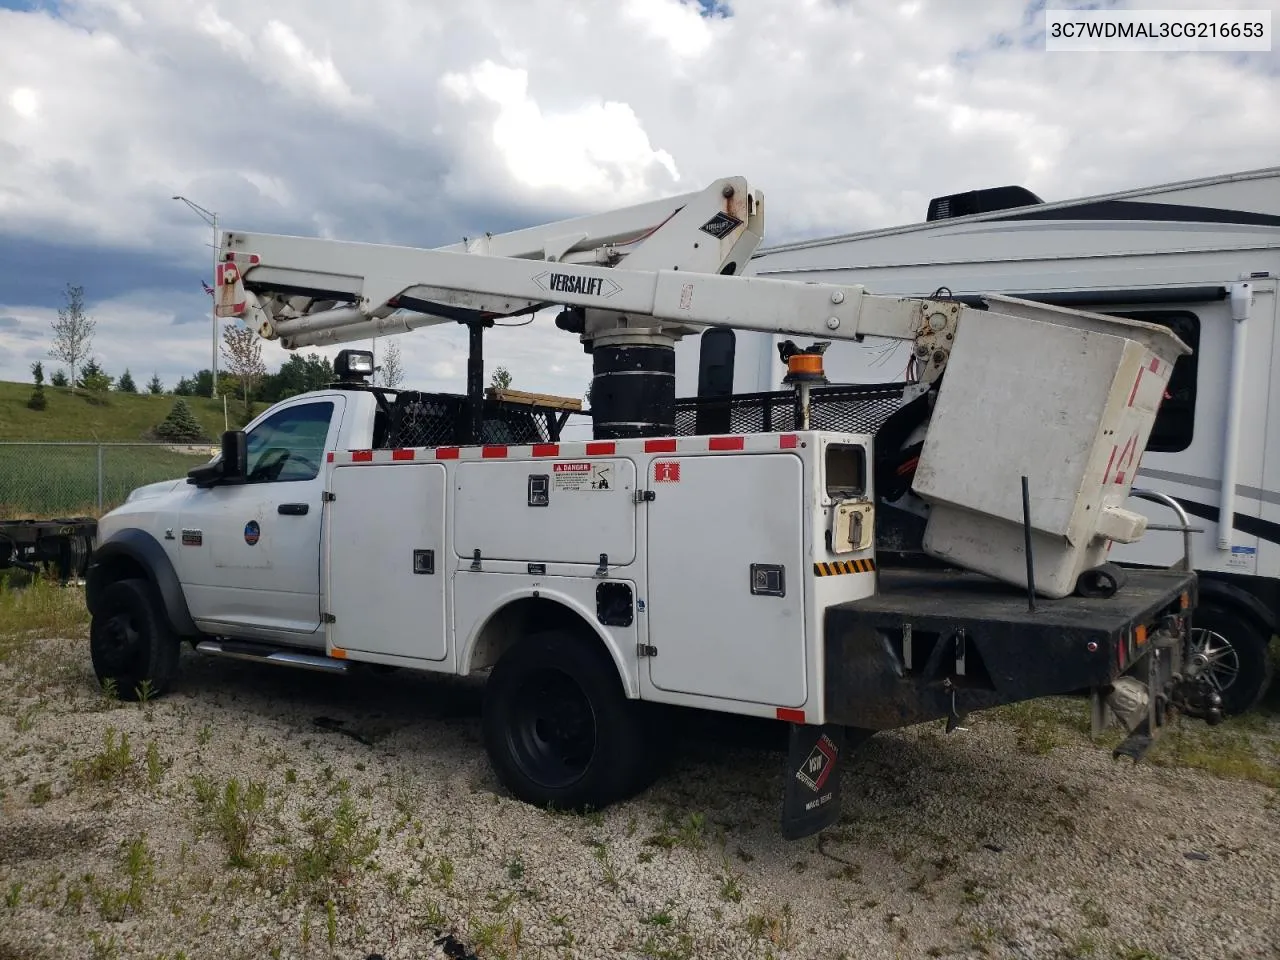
{"x": 577, "y": 450}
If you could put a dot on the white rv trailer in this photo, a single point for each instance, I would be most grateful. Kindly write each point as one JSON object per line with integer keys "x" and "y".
{"x": 1201, "y": 256}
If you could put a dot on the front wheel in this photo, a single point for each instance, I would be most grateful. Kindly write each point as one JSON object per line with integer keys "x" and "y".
{"x": 558, "y": 728}
{"x": 130, "y": 644}
{"x": 1233, "y": 650}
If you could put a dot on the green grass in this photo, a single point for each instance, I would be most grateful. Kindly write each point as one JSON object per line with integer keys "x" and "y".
{"x": 124, "y": 418}
{"x": 41, "y": 609}
{"x": 60, "y": 481}
{"x": 44, "y": 481}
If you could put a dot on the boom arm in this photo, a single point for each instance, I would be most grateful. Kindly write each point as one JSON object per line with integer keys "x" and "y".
{"x": 441, "y": 285}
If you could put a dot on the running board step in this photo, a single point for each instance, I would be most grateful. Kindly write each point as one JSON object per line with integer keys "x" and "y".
{"x": 263, "y": 654}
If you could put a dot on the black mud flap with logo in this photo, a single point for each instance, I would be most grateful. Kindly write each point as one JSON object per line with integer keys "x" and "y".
{"x": 812, "y": 799}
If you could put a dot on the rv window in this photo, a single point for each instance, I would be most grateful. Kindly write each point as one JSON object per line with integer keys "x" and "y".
{"x": 1175, "y": 423}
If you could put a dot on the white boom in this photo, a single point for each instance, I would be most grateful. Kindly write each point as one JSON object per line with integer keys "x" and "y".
{"x": 677, "y": 276}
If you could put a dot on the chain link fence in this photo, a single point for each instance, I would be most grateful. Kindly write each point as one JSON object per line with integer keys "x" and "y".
{"x": 57, "y": 479}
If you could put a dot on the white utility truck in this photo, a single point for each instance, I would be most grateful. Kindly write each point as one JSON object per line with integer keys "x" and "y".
{"x": 754, "y": 570}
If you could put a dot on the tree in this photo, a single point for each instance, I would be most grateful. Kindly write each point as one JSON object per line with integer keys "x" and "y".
{"x": 391, "y": 369}
{"x": 37, "y": 401}
{"x": 501, "y": 379}
{"x": 242, "y": 349}
{"x": 59, "y": 378}
{"x": 155, "y": 387}
{"x": 72, "y": 331}
{"x": 126, "y": 384}
{"x": 301, "y": 373}
{"x": 94, "y": 378}
{"x": 201, "y": 385}
{"x": 181, "y": 425}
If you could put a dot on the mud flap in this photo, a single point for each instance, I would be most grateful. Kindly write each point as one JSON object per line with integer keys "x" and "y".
{"x": 812, "y": 786}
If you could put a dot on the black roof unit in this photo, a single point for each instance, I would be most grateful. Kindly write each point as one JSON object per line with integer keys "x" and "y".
{"x": 980, "y": 201}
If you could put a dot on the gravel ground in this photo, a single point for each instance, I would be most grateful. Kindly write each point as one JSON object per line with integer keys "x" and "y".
{"x": 380, "y": 830}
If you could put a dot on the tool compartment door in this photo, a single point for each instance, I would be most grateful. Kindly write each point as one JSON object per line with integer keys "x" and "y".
{"x": 387, "y": 569}
{"x": 726, "y": 597}
{"x": 552, "y": 511}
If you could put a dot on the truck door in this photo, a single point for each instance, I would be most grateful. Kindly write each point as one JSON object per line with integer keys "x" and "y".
{"x": 249, "y": 554}
{"x": 726, "y": 572}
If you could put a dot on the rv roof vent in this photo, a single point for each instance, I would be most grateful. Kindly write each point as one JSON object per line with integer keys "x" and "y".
{"x": 980, "y": 201}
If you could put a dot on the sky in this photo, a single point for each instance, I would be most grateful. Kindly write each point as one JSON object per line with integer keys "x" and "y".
{"x": 422, "y": 121}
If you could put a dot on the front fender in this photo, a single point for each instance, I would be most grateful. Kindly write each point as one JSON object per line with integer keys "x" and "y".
{"x": 132, "y": 552}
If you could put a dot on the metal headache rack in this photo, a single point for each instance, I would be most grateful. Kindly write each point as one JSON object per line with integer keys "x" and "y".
{"x": 441, "y": 419}
{"x": 849, "y": 408}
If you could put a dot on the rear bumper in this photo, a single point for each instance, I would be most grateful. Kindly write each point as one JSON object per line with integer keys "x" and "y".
{"x": 933, "y": 644}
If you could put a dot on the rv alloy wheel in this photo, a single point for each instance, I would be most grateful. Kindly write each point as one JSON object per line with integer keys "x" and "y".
{"x": 1234, "y": 651}
{"x": 130, "y": 644}
{"x": 557, "y": 727}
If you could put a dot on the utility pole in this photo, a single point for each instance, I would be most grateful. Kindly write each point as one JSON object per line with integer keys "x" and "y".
{"x": 210, "y": 217}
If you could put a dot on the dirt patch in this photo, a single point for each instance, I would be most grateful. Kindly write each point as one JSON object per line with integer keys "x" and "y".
{"x": 260, "y": 812}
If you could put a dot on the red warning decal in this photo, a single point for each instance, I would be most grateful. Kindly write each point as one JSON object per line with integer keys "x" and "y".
{"x": 665, "y": 471}
{"x": 818, "y": 765}
{"x": 1126, "y": 458}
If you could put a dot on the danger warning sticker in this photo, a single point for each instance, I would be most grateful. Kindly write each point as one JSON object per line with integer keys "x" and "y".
{"x": 582, "y": 475}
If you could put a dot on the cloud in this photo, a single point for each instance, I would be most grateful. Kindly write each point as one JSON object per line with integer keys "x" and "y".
{"x": 422, "y": 123}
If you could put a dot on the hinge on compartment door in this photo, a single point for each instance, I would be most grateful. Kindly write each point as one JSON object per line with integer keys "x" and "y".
{"x": 644, "y": 650}
{"x": 328, "y": 618}
{"x": 645, "y": 496}
{"x": 328, "y": 497}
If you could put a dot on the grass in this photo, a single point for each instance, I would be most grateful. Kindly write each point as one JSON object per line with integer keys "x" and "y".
{"x": 1237, "y": 749}
{"x": 42, "y": 481}
{"x": 40, "y": 609}
{"x": 123, "y": 418}
{"x": 1227, "y": 751}
{"x": 53, "y": 481}
{"x": 231, "y": 813}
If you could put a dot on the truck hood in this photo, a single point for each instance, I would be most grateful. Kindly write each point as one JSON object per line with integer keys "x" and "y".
{"x": 153, "y": 490}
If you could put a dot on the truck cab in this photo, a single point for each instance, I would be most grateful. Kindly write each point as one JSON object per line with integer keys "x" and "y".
{"x": 245, "y": 552}
{"x": 235, "y": 549}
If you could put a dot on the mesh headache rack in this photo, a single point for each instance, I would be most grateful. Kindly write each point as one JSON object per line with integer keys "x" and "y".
{"x": 856, "y": 408}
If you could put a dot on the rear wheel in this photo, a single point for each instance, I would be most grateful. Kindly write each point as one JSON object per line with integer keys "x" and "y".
{"x": 558, "y": 728}
{"x": 130, "y": 644}
{"x": 1234, "y": 649}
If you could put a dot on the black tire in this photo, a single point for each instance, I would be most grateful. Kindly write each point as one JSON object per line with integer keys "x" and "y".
{"x": 558, "y": 728}
{"x": 1238, "y": 648}
{"x": 130, "y": 642}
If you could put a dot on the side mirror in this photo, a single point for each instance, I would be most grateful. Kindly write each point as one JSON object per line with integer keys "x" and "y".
{"x": 232, "y": 467}
{"x": 235, "y": 457}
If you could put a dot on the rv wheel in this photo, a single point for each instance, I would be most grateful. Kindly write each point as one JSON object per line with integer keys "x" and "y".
{"x": 1234, "y": 648}
{"x": 557, "y": 727}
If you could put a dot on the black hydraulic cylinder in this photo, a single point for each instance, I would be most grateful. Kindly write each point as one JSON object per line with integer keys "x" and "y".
{"x": 633, "y": 391}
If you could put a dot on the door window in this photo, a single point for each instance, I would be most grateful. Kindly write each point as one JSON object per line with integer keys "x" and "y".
{"x": 289, "y": 445}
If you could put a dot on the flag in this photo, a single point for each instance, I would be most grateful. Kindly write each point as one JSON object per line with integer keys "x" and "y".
{"x": 207, "y": 289}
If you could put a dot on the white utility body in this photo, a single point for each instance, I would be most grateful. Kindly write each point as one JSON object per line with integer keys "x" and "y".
{"x": 736, "y": 571}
